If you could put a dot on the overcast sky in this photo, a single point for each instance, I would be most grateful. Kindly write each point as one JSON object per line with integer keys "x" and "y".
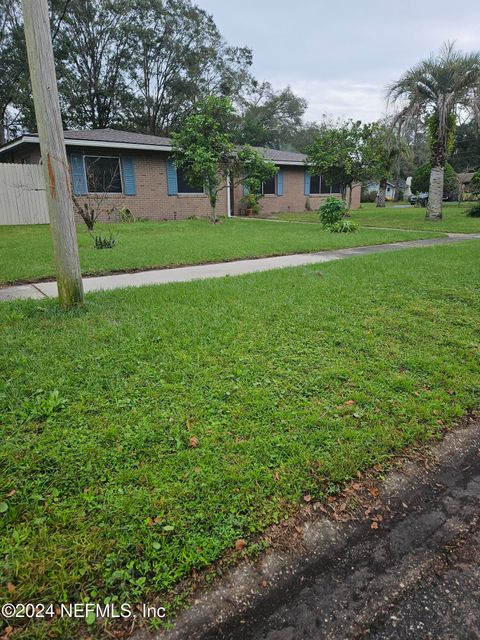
{"x": 341, "y": 54}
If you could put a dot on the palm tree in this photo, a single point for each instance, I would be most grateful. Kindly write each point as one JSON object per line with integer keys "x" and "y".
{"x": 438, "y": 88}
{"x": 391, "y": 150}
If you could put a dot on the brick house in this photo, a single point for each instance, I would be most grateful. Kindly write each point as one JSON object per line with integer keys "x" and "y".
{"x": 138, "y": 173}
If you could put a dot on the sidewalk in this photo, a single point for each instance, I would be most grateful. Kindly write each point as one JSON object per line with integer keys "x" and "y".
{"x": 41, "y": 290}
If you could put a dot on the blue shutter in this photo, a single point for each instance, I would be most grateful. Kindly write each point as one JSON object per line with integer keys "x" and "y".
{"x": 246, "y": 190}
{"x": 280, "y": 183}
{"x": 172, "y": 182}
{"x": 128, "y": 174}
{"x": 79, "y": 178}
{"x": 308, "y": 178}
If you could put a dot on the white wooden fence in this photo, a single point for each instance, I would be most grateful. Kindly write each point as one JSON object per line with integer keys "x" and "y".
{"x": 22, "y": 194}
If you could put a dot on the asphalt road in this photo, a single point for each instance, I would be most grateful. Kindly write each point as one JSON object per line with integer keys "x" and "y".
{"x": 418, "y": 576}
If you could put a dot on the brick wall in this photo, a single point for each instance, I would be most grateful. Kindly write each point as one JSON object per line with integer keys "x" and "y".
{"x": 153, "y": 202}
{"x": 294, "y": 198}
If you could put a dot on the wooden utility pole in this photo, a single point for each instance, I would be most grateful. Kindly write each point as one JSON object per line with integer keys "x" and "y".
{"x": 55, "y": 167}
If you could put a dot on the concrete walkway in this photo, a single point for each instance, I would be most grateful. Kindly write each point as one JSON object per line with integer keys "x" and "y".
{"x": 41, "y": 290}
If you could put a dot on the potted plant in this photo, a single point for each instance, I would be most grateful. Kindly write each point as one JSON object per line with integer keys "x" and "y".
{"x": 251, "y": 204}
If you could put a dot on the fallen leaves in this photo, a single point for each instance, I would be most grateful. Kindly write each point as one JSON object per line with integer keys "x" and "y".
{"x": 153, "y": 521}
{"x": 240, "y": 544}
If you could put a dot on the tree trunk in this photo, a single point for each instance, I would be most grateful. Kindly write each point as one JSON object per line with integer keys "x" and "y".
{"x": 435, "y": 194}
{"x": 213, "y": 213}
{"x": 382, "y": 193}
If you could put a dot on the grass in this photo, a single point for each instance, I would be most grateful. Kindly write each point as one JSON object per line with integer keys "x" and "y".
{"x": 454, "y": 218}
{"x": 26, "y": 251}
{"x": 102, "y": 494}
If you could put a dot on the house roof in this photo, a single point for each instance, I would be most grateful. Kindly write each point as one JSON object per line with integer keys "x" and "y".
{"x": 465, "y": 178}
{"x": 110, "y": 138}
{"x": 371, "y": 183}
{"x": 276, "y": 155}
{"x": 114, "y": 138}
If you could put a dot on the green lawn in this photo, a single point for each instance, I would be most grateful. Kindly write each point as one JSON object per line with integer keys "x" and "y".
{"x": 454, "y": 218}
{"x": 26, "y": 251}
{"x": 102, "y": 494}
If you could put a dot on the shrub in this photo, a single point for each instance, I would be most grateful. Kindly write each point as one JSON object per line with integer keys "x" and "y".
{"x": 475, "y": 186}
{"x": 332, "y": 211}
{"x": 468, "y": 196}
{"x": 474, "y": 211}
{"x": 125, "y": 215}
{"x": 369, "y": 196}
{"x": 344, "y": 226}
{"x": 105, "y": 242}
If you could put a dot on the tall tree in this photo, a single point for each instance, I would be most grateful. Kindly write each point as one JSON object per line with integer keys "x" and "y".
{"x": 16, "y": 80}
{"x": 179, "y": 57}
{"x": 269, "y": 118}
{"x": 387, "y": 151}
{"x": 421, "y": 180}
{"x": 93, "y": 49}
{"x": 438, "y": 87}
{"x": 466, "y": 155}
{"x": 13, "y": 64}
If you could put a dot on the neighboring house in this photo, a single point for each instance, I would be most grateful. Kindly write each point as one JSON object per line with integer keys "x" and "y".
{"x": 374, "y": 187}
{"x": 138, "y": 173}
{"x": 465, "y": 181}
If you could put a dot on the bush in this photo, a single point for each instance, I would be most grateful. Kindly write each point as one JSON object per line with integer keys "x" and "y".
{"x": 332, "y": 211}
{"x": 344, "y": 226}
{"x": 369, "y": 196}
{"x": 468, "y": 196}
{"x": 474, "y": 212}
{"x": 107, "y": 242}
{"x": 475, "y": 186}
{"x": 126, "y": 216}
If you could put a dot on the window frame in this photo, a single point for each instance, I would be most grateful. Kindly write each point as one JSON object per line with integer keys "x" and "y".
{"x": 187, "y": 193}
{"x": 275, "y": 187}
{"x": 331, "y": 191}
{"x": 108, "y": 193}
{"x": 319, "y": 192}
